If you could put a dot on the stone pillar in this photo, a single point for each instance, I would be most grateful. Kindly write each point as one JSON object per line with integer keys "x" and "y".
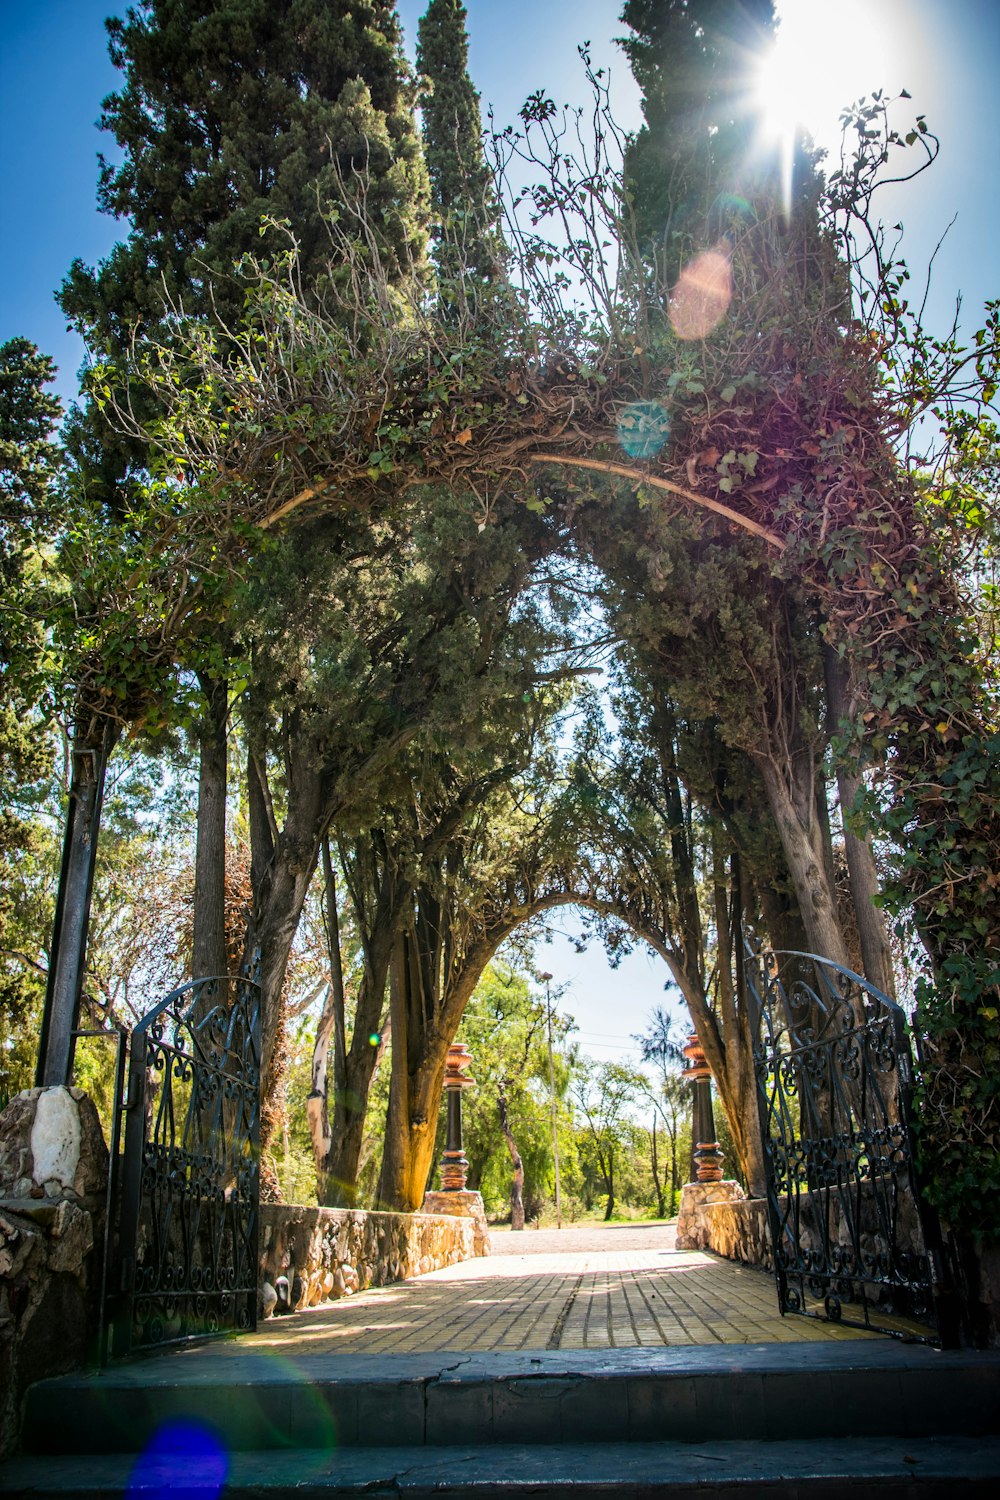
{"x": 454, "y": 1163}
{"x": 707, "y": 1156}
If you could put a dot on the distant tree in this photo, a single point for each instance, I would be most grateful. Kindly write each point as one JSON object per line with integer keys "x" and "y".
{"x": 606, "y": 1094}
{"x": 661, "y": 1045}
{"x": 506, "y": 1120}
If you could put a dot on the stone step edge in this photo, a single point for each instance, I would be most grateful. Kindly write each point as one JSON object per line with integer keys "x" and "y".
{"x": 515, "y": 1470}
{"x": 466, "y": 1406}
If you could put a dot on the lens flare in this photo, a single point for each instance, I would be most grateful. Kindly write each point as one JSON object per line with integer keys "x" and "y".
{"x": 704, "y": 290}
{"x": 730, "y": 209}
{"x": 184, "y": 1460}
{"x": 643, "y": 428}
{"x": 374, "y": 1038}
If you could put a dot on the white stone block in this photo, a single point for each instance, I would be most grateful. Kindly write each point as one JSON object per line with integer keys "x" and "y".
{"x": 55, "y": 1140}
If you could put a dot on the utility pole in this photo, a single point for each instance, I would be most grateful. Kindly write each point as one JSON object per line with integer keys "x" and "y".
{"x": 547, "y": 980}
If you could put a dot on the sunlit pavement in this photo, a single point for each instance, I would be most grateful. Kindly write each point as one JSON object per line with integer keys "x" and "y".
{"x": 596, "y": 1287}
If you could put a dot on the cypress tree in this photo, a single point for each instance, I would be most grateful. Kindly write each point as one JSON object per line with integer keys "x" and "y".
{"x": 28, "y": 463}
{"x": 237, "y": 111}
{"x": 691, "y": 157}
{"x": 462, "y": 201}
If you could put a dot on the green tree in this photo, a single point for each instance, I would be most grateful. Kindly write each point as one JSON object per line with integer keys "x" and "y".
{"x": 232, "y": 112}
{"x": 866, "y": 576}
{"x": 237, "y": 119}
{"x": 505, "y": 865}
{"x": 606, "y": 1094}
{"x": 29, "y": 464}
{"x": 506, "y": 1127}
{"x": 661, "y": 1046}
{"x": 659, "y": 807}
{"x": 693, "y": 152}
{"x": 29, "y": 461}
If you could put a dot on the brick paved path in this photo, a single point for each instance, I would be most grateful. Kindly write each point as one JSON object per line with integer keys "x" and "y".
{"x": 619, "y": 1287}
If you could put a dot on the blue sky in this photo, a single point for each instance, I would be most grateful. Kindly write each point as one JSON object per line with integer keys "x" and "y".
{"x": 54, "y": 71}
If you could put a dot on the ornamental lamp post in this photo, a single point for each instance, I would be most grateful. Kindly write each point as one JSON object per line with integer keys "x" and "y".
{"x": 453, "y": 1197}
{"x": 707, "y": 1158}
{"x": 454, "y": 1162}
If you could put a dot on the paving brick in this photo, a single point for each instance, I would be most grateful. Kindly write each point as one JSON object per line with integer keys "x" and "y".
{"x": 610, "y": 1288}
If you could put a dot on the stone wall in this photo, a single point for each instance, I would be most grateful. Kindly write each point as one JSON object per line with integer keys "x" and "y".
{"x": 314, "y": 1255}
{"x": 719, "y": 1216}
{"x": 53, "y": 1180}
{"x": 738, "y": 1228}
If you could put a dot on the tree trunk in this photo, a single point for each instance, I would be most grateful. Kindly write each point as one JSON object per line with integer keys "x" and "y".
{"x": 675, "y": 1176}
{"x": 317, "y": 1115}
{"x": 409, "y": 1131}
{"x": 876, "y": 954}
{"x": 282, "y": 869}
{"x": 332, "y": 1024}
{"x": 661, "y": 1207}
{"x": 801, "y": 837}
{"x": 416, "y": 1082}
{"x": 517, "y": 1183}
{"x": 424, "y": 1022}
{"x": 282, "y": 866}
{"x": 377, "y": 926}
{"x": 92, "y": 745}
{"x": 350, "y": 1103}
{"x": 609, "y": 1179}
{"x": 208, "y": 946}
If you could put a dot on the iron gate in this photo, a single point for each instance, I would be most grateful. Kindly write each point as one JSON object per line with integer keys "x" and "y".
{"x": 852, "y": 1240}
{"x": 185, "y": 1242}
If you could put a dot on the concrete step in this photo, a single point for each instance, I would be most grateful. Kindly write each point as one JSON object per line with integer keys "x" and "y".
{"x": 791, "y": 1470}
{"x": 253, "y": 1401}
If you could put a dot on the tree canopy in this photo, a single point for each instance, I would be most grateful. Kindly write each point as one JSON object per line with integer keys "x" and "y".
{"x": 650, "y": 400}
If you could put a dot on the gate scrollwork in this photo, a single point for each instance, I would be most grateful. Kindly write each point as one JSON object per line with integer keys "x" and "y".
{"x": 851, "y": 1238}
{"x": 187, "y": 1232}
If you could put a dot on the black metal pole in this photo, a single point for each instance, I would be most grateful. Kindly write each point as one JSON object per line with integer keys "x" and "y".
{"x": 72, "y": 917}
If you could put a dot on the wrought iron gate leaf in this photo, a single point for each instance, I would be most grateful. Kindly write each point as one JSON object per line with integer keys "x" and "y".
{"x": 852, "y": 1240}
{"x": 188, "y": 1215}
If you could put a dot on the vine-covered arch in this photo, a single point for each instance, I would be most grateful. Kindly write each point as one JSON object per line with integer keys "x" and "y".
{"x": 352, "y": 485}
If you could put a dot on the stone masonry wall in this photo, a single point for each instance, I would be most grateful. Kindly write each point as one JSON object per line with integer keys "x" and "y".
{"x": 314, "y": 1255}
{"x": 726, "y": 1222}
{"x": 720, "y": 1218}
{"x": 53, "y": 1179}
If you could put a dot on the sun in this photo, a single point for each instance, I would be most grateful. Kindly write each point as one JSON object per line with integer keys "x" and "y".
{"x": 824, "y": 57}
